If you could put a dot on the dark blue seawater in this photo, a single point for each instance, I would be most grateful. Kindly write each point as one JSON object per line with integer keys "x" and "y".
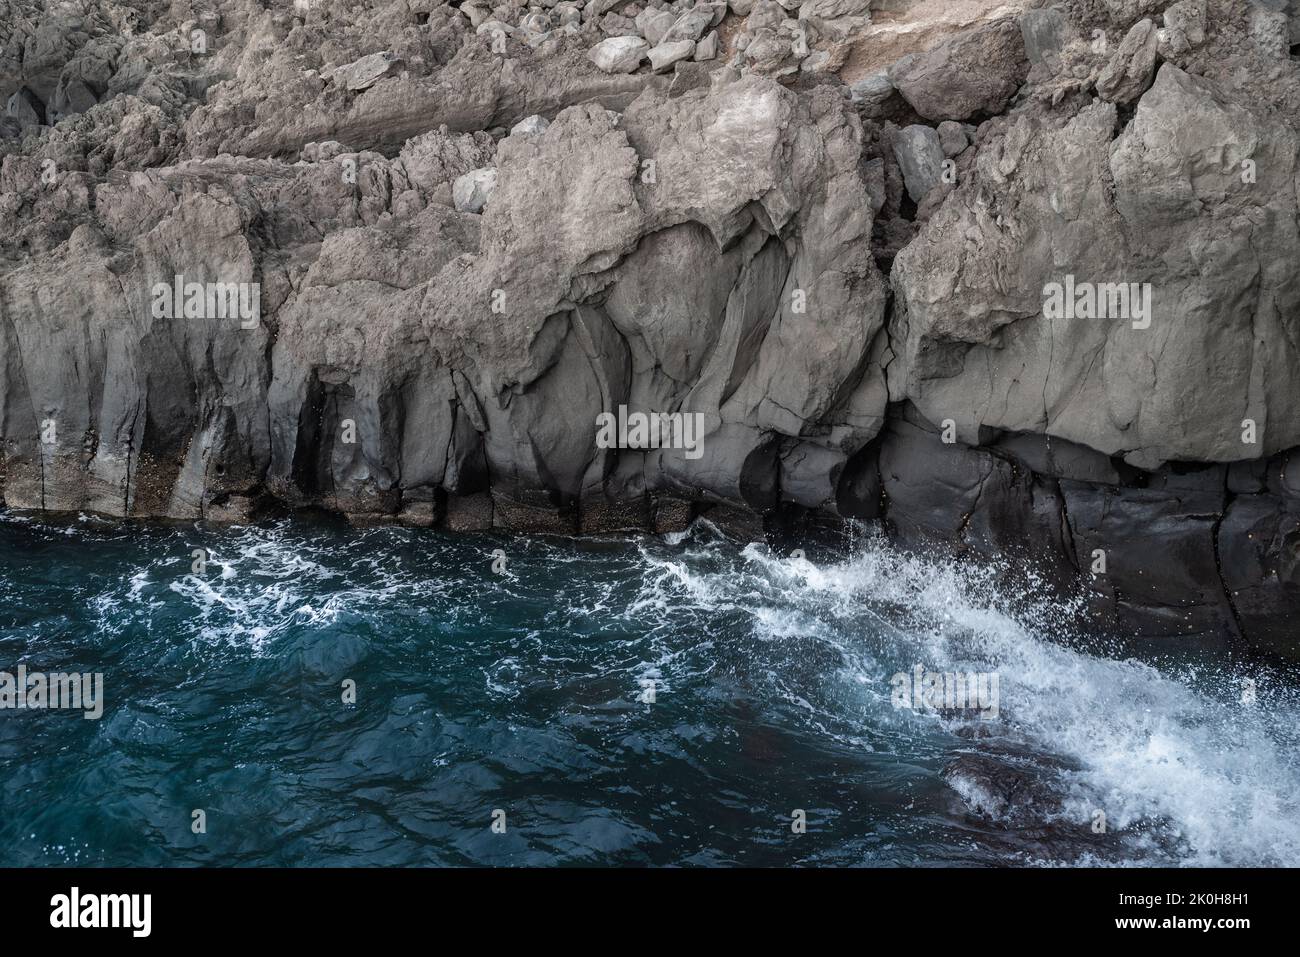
{"x": 525, "y": 692}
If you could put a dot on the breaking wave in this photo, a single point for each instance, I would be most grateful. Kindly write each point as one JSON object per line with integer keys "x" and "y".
{"x": 626, "y": 701}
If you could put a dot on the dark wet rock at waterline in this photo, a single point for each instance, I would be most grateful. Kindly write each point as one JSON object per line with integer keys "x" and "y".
{"x": 1005, "y": 787}
{"x": 467, "y": 237}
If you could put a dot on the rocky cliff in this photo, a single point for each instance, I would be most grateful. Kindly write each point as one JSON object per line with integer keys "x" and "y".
{"x": 1011, "y": 277}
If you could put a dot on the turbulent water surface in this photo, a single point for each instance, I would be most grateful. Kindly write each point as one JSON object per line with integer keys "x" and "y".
{"x": 525, "y": 692}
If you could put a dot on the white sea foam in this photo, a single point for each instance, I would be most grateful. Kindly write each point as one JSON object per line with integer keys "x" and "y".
{"x": 1166, "y": 748}
{"x": 1220, "y": 777}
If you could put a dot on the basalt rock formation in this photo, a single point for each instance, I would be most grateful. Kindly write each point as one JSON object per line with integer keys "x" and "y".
{"x": 826, "y": 228}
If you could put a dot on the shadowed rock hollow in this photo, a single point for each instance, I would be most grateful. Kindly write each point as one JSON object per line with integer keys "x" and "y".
{"x": 826, "y": 227}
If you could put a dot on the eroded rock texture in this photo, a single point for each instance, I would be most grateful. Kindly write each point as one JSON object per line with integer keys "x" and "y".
{"x": 468, "y": 231}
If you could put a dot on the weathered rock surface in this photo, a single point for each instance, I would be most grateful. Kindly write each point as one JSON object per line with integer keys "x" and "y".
{"x": 619, "y": 54}
{"x": 1109, "y": 207}
{"x": 1129, "y": 73}
{"x": 971, "y": 74}
{"x": 463, "y": 235}
{"x": 920, "y": 155}
{"x": 471, "y": 191}
{"x": 1045, "y": 32}
{"x": 364, "y": 73}
{"x": 669, "y": 52}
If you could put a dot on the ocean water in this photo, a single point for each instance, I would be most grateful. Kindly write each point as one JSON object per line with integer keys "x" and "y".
{"x": 680, "y": 701}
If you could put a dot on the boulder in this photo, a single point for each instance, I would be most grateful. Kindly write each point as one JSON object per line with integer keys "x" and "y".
{"x": 1131, "y": 68}
{"x": 874, "y": 88}
{"x": 619, "y": 54}
{"x": 653, "y": 24}
{"x": 952, "y": 137}
{"x": 366, "y": 72}
{"x": 25, "y": 109}
{"x": 471, "y": 191}
{"x": 707, "y": 48}
{"x": 666, "y": 54}
{"x": 690, "y": 25}
{"x": 530, "y": 126}
{"x": 920, "y": 155}
{"x": 970, "y": 74}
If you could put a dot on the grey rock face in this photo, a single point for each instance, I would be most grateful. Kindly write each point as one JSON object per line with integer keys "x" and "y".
{"x": 1270, "y": 31}
{"x": 1146, "y": 400}
{"x": 952, "y": 137}
{"x": 24, "y": 108}
{"x": 873, "y": 88}
{"x": 707, "y": 48}
{"x": 971, "y": 73}
{"x": 653, "y": 24}
{"x": 835, "y": 9}
{"x": 1223, "y": 572}
{"x": 530, "y": 126}
{"x": 445, "y": 292}
{"x": 1169, "y": 591}
{"x": 1129, "y": 73}
{"x": 619, "y": 54}
{"x": 669, "y": 52}
{"x": 938, "y": 492}
{"x": 366, "y": 72}
{"x": 472, "y": 191}
{"x": 1184, "y": 26}
{"x": 1259, "y": 553}
{"x": 920, "y": 156}
{"x": 499, "y": 344}
{"x": 1045, "y": 32}
{"x": 690, "y": 25}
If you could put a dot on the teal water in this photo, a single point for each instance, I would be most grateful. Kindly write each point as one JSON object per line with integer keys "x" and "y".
{"x": 526, "y": 692}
